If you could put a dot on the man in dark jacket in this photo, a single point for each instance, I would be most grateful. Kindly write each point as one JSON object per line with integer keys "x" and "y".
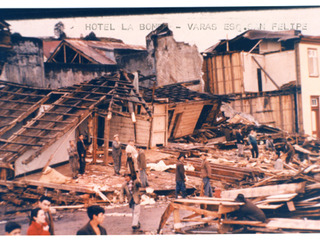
{"x": 131, "y": 190}
{"x": 180, "y": 177}
{"x": 45, "y": 203}
{"x": 142, "y": 165}
{"x": 116, "y": 154}
{"x": 289, "y": 150}
{"x": 205, "y": 175}
{"x": 82, "y": 154}
{"x": 96, "y": 216}
{"x": 249, "y": 210}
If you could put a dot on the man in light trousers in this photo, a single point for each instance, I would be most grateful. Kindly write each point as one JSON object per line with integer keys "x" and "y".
{"x": 131, "y": 189}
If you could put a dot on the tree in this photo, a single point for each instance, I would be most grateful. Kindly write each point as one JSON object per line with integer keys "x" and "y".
{"x": 59, "y": 31}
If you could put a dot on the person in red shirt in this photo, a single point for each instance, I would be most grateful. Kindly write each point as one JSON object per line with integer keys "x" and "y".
{"x": 38, "y": 224}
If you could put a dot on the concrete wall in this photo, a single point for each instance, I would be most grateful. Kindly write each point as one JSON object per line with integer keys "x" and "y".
{"x": 25, "y": 62}
{"x": 137, "y": 62}
{"x": 177, "y": 62}
{"x": 280, "y": 66}
{"x": 309, "y": 85}
{"x": 63, "y": 75}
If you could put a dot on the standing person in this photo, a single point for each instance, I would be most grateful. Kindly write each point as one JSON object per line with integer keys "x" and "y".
{"x": 38, "y": 224}
{"x": 73, "y": 159}
{"x": 116, "y": 154}
{"x": 180, "y": 177}
{"x": 252, "y": 139}
{"x": 205, "y": 175}
{"x": 278, "y": 164}
{"x": 289, "y": 150}
{"x": 131, "y": 189}
{"x": 45, "y": 203}
{"x": 82, "y": 154}
{"x": 13, "y": 229}
{"x": 93, "y": 227}
{"x": 131, "y": 150}
{"x": 142, "y": 165}
{"x": 240, "y": 142}
{"x": 269, "y": 144}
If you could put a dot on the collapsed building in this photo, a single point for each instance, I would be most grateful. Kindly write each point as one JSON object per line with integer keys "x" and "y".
{"x": 273, "y": 76}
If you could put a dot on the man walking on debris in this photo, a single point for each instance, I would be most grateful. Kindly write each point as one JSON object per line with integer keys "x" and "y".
{"x": 252, "y": 139}
{"x": 289, "y": 150}
{"x": 180, "y": 177}
{"x": 93, "y": 227}
{"x": 205, "y": 175}
{"x": 45, "y": 203}
{"x": 82, "y": 154}
{"x": 240, "y": 142}
{"x": 249, "y": 210}
{"x": 131, "y": 189}
{"x": 116, "y": 154}
{"x": 142, "y": 164}
{"x": 73, "y": 159}
{"x": 278, "y": 164}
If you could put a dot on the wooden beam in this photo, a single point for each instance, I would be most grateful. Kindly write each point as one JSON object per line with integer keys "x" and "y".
{"x": 94, "y": 140}
{"x": 265, "y": 72}
{"x": 166, "y": 214}
{"x": 266, "y": 190}
{"x": 106, "y": 141}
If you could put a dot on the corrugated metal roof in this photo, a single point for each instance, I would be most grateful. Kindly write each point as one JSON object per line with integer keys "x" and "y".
{"x": 83, "y": 47}
{"x": 114, "y": 45}
{"x": 49, "y": 47}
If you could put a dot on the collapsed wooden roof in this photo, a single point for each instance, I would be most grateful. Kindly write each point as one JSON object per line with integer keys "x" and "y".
{"x": 178, "y": 92}
{"x": 65, "y": 109}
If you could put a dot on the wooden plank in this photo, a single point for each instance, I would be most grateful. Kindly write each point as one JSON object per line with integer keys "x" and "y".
{"x": 266, "y": 190}
{"x": 166, "y": 214}
{"x": 299, "y": 224}
{"x": 213, "y": 202}
{"x": 49, "y": 185}
{"x": 267, "y": 206}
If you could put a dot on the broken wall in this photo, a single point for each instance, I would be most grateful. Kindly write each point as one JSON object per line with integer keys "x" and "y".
{"x": 177, "y": 62}
{"x": 63, "y": 74}
{"x": 24, "y": 62}
{"x": 140, "y": 61}
{"x": 280, "y": 66}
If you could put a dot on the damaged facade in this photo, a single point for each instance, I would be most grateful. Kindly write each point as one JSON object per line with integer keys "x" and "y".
{"x": 273, "y": 75}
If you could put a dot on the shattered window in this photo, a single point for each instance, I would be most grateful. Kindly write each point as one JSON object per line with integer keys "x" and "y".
{"x": 313, "y": 62}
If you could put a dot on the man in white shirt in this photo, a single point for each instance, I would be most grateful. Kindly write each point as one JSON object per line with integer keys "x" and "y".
{"x": 130, "y": 149}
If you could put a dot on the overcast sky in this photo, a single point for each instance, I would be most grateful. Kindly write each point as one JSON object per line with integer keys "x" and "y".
{"x": 201, "y": 29}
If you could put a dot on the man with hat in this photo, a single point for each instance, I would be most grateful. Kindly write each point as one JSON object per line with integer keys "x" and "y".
{"x": 205, "y": 175}
{"x": 116, "y": 154}
{"x": 249, "y": 210}
{"x": 180, "y": 177}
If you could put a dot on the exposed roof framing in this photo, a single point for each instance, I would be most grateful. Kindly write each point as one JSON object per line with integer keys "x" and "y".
{"x": 178, "y": 92}
{"x": 76, "y": 51}
{"x": 17, "y": 102}
{"x": 67, "y": 108}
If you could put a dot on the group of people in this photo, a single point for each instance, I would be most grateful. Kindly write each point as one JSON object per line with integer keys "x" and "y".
{"x": 77, "y": 157}
{"x": 287, "y": 148}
